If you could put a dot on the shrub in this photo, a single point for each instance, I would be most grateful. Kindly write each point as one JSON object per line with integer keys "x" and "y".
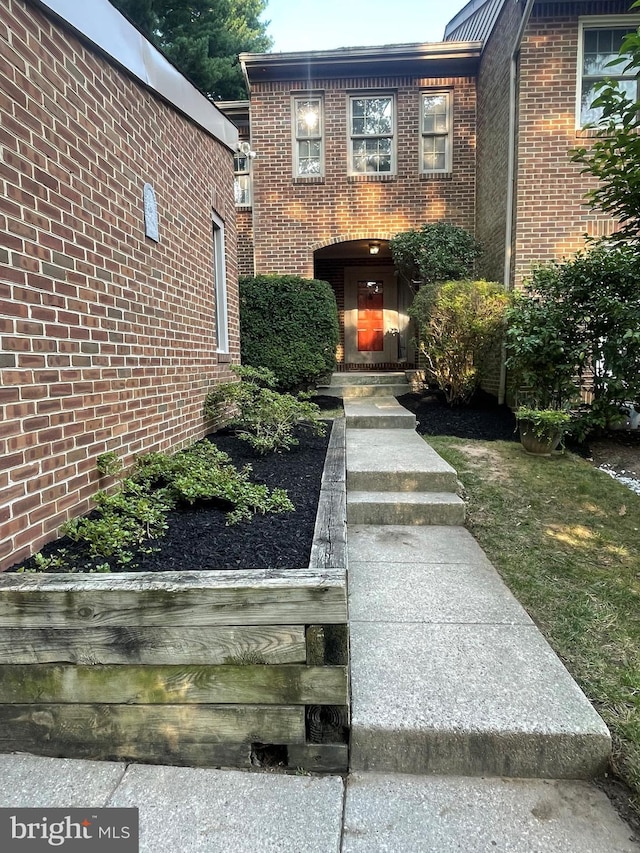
{"x": 579, "y": 320}
{"x": 459, "y": 322}
{"x": 436, "y": 252}
{"x": 262, "y": 416}
{"x": 289, "y": 325}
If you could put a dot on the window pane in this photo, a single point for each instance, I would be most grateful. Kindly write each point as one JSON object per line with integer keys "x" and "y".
{"x": 309, "y": 153}
{"x": 591, "y": 115}
{"x": 434, "y": 157}
{"x": 371, "y": 155}
{"x": 242, "y": 189}
{"x": 435, "y": 114}
{"x": 600, "y": 48}
{"x": 371, "y": 116}
{"x": 308, "y": 118}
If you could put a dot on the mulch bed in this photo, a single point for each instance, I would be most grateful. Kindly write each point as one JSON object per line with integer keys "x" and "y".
{"x": 198, "y": 537}
{"x": 481, "y": 419}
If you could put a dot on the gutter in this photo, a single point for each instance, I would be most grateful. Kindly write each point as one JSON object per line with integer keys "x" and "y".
{"x": 511, "y": 171}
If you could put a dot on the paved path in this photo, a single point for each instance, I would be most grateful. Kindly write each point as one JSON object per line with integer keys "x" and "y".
{"x": 449, "y": 675}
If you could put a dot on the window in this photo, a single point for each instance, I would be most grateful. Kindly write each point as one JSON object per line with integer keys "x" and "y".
{"x": 599, "y": 45}
{"x": 436, "y": 132}
{"x": 242, "y": 175}
{"x": 220, "y": 285}
{"x": 371, "y": 135}
{"x": 307, "y": 130}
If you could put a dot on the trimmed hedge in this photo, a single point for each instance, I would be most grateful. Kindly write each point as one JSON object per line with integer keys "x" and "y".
{"x": 289, "y": 325}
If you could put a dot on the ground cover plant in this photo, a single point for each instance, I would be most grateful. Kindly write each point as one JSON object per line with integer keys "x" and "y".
{"x": 196, "y": 534}
{"x": 564, "y": 536}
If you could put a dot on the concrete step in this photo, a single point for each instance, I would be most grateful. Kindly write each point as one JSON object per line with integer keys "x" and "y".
{"x": 404, "y": 508}
{"x": 351, "y": 391}
{"x": 377, "y": 413}
{"x": 448, "y": 673}
{"x": 366, "y": 377}
{"x": 384, "y": 460}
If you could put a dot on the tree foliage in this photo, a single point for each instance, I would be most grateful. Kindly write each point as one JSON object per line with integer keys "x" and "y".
{"x": 203, "y": 38}
{"x": 459, "y": 323}
{"x": 580, "y": 319}
{"x": 438, "y": 251}
{"x": 614, "y": 156}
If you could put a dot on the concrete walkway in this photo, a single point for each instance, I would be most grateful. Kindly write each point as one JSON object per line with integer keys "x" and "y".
{"x": 454, "y": 693}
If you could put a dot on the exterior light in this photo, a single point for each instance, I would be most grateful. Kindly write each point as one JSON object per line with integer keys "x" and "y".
{"x": 374, "y": 248}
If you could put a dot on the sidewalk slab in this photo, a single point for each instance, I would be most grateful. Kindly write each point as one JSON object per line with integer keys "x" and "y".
{"x": 395, "y": 460}
{"x": 377, "y": 413}
{"x": 441, "y": 592}
{"x": 402, "y": 544}
{"x": 407, "y": 814}
{"x": 468, "y": 700}
{"x": 32, "y": 781}
{"x": 404, "y": 508}
{"x": 202, "y": 811}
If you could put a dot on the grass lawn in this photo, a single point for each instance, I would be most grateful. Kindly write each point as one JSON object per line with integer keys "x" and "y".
{"x": 566, "y": 539}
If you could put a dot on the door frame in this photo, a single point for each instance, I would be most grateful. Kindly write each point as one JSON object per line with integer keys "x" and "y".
{"x": 389, "y": 353}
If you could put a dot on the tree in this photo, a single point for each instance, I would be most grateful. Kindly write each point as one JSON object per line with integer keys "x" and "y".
{"x": 203, "y": 38}
{"x": 614, "y": 157}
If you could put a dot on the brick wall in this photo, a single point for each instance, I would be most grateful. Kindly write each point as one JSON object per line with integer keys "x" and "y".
{"x": 551, "y": 216}
{"x": 292, "y": 218}
{"x": 108, "y": 338}
{"x": 493, "y": 138}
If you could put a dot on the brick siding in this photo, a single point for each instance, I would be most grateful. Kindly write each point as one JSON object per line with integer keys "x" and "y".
{"x": 108, "y": 338}
{"x": 292, "y": 218}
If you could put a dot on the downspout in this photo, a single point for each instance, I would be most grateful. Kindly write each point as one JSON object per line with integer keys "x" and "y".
{"x": 511, "y": 174}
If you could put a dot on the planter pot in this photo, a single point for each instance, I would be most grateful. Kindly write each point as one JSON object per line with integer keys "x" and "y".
{"x": 538, "y": 443}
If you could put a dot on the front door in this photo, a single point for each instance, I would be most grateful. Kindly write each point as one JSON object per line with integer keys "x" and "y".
{"x": 371, "y": 315}
{"x": 370, "y": 322}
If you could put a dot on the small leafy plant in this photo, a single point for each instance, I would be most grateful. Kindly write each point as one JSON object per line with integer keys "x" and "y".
{"x": 544, "y": 421}
{"x": 126, "y": 522}
{"x": 261, "y": 415}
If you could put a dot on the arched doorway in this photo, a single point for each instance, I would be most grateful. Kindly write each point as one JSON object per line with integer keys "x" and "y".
{"x": 375, "y": 331}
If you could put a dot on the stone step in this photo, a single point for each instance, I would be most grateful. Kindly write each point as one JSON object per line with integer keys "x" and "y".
{"x": 449, "y": 675}
{"x": 351, "y": 391}
{"x": 384, "y": 460}
{"x": 404, "y": 508}
{"x": 377, "y": 413}
{"x": 343, "y": 380}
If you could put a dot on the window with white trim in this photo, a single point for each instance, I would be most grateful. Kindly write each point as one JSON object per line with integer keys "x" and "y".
{"x": 242, "y": 179}
{"x": 220, "y": 285}
{"x": 435, "y": 120}
{"x": 371, "y": 135}
{"x": 307, "y": 132}
{"x": 599, "y": 45}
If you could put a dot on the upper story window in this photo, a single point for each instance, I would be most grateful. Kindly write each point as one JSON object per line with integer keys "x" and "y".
{"x": 435, "y": 117}
{"x": 307, "y": 130}
{"x": 371, "y": 130}
{"x": 600, "y": 43}
{"x": 242, "y": 175}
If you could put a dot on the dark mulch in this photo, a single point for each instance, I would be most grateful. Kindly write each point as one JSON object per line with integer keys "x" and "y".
{"x": 481, "y": 419}
{"x": 199, "y": 538}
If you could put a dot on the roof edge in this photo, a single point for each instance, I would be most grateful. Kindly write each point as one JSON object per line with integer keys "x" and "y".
{"x": 420, "y": 50}
{"x": 102, "y": 25}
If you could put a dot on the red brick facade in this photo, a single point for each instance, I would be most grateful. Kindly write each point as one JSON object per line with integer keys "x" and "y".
{"x": 294, "y": 217}
{"x": 108, "y": 337}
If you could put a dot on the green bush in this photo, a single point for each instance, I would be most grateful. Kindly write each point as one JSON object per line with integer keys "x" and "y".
{"x": 580, "y": 320}
{"x": 459, "y": 323}
{"x": 436, "y": 252}
{"x": 289, "y": 325}
{"x": 262, "y": 416}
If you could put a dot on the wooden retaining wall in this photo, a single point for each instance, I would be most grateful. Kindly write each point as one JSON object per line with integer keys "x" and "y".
{"x": 220, "y": 668}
